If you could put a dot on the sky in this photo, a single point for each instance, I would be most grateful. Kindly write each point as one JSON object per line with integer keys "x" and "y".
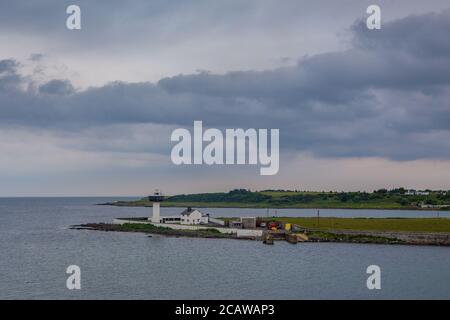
{"x": 91, "y": 111}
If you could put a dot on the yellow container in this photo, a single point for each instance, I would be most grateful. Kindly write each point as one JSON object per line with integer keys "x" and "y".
{"x": 287, "y": 226}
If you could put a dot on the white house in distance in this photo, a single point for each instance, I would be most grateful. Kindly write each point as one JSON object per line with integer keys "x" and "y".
{"x": 193, "y": 216}
{"x": 416, "y": 193}
{"x": 188, "y": 217}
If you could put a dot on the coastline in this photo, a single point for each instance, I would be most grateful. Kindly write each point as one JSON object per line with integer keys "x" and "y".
{"x": 150, "y": 229}
{"x": 313, "y": 236}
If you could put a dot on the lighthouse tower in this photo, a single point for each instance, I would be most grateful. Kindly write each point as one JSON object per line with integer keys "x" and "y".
{"x": 156, "y": 198}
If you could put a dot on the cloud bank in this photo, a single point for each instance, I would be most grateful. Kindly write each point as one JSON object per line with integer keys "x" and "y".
{"x": 386, "y": 96}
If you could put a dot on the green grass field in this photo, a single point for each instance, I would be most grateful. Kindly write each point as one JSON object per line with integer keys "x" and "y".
{"x": 367, "y": 224}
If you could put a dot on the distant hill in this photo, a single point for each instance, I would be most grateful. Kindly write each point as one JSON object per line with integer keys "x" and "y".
{"x": 379, "y": 199}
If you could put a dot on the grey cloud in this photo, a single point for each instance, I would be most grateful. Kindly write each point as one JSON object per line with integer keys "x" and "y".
{"x": 57, "y": 87}
{"x": 9, "y": 78}
{"x": 116, "y": 21}
{"x": 8, "y": 66}
{"x": 387, "y": 96}
{"x": 424, "y": 36}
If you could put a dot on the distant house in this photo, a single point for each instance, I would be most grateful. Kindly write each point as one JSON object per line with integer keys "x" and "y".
{"x": 194, "y": 216}
{"x": 416, "y": 193}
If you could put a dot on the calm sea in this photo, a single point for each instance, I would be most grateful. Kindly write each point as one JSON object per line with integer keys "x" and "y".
{"x": 36, "y": 247}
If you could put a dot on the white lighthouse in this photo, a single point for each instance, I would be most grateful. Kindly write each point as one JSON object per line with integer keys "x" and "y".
{"x": 156, "y": 198}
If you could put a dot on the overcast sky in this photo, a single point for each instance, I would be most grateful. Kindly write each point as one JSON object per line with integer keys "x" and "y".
{"x": 90, "y": 112}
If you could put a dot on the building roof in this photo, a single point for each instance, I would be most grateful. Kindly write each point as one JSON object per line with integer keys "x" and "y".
{"x": 188, "y": 211}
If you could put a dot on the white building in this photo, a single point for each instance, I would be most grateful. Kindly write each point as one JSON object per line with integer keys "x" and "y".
{"x": 416, "y": 193}
{"x": 193, "y": 216}
{"x": 188, "y": 217}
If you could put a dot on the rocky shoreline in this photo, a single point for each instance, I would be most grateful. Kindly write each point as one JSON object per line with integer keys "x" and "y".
{"x": 336, "y": 236}
{"x": 149, "y": 229}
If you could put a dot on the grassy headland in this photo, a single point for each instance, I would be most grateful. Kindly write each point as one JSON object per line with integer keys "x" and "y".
{"x": 241, "y": 198}
{"x": 347, "y": 230}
